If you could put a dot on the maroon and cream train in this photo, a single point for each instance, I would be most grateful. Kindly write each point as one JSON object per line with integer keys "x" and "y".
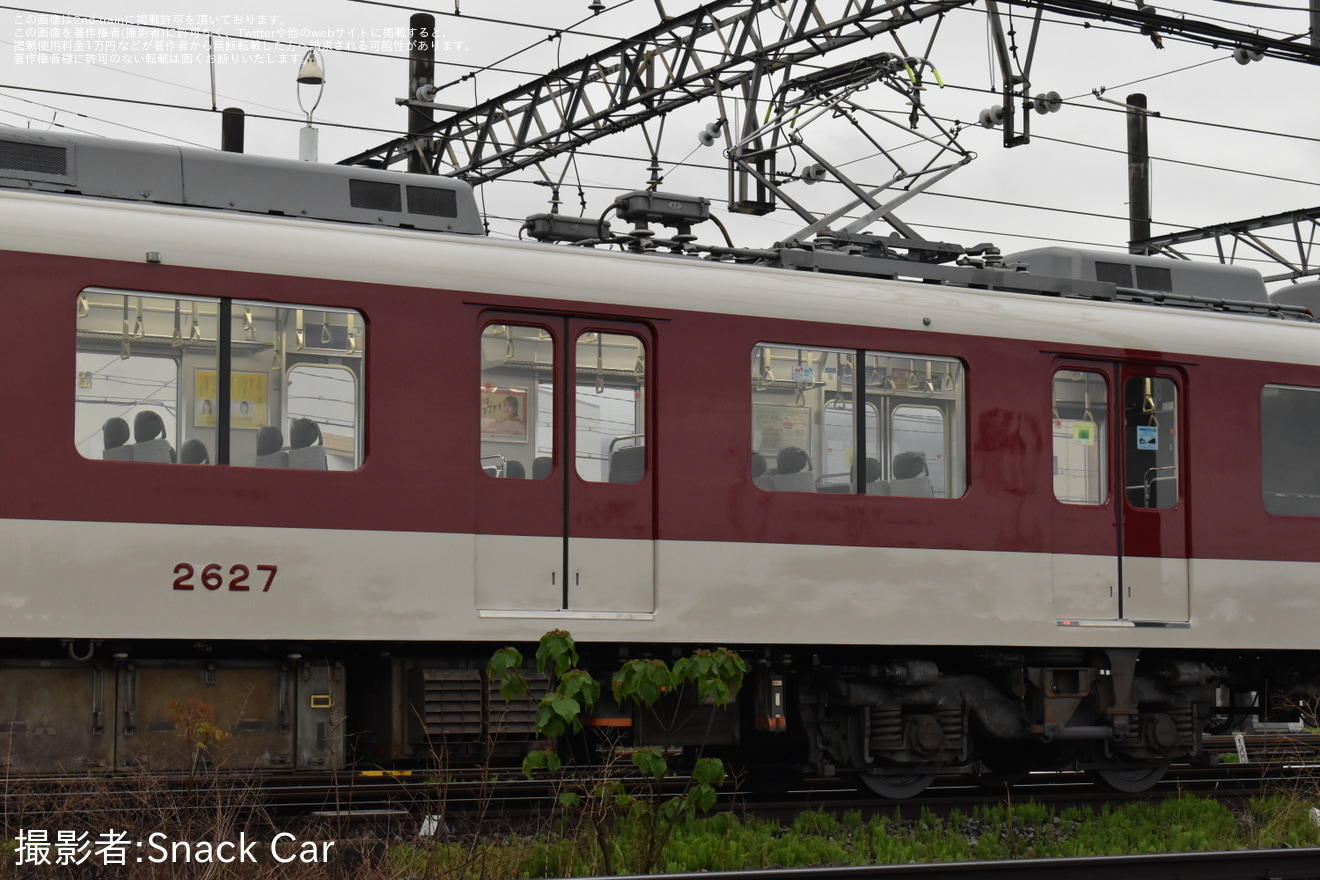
{"x": 996, "y": 520}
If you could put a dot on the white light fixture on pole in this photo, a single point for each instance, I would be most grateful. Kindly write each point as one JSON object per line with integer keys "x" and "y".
{"x": 312, "y": 73}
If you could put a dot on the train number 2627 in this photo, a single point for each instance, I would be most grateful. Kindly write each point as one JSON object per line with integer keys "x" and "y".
{"x": 213, "y": 576}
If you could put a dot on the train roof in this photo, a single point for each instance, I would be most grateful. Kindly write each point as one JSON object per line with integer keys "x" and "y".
{"x": 112, "y": 229}
{"x": 1150, "y": 274}
{"x": 186, "y": 176}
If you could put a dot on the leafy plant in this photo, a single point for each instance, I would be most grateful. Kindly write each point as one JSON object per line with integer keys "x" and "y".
{"x": 716, "y": 675}
{"x": 195, "y": 723}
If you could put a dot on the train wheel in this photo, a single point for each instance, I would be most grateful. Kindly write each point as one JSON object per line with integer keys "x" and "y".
{"x": 1131, "y": 780}
{"x": 897, "y": 787}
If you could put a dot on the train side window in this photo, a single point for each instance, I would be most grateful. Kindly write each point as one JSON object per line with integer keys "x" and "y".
{"x": 148, "y": 365}
{"x": 133, "y": 352}
{"x": 803, "y": 419}
{"x": 1150, "y": 406}
{"x": 924, "y": 441}
{"x": 610, "y": 401}
{"x": 1080, "y": 431}
{"x": 805, "y": 406}
{"x": 295, "y": 380}
{"x": 517, "y": 421}
{"x": 326, "y": 395}
{"x": 1290, "y": 468}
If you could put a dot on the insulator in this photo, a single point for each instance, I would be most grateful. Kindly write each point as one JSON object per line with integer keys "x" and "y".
{"x": 812, "y": 174}
{"x": 596, "y": 7}
{"x": 706, "y": 137}
{"x": 1050, "y": 102}
{"x": 992, "y": 116}
{"x": 1246, "y": 55}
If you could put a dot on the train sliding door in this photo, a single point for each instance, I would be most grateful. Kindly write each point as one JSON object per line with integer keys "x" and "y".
{"x": 564, "y": 501}
{"x": 1120, "y": 531}
{"x": 1154, "y": 520}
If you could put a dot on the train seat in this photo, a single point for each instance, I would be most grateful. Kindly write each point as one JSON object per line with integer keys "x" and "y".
{"x": 761, "y": 476}
{"x": 542, "y": 465}
{"x": 158, "y": 451}
{"x": 875, "y": 485}
{"x": 149, "y": 439}
{"x": 793, "y": 471}
{"x": 911, "y": 476}
{"x": 269, "y": 452}
{"x": 308, "y": 458}
{"x": 514, "y": 470}
{"x": 194, "y": 452}
{"x": 115, "y": 434}
{"x": 913, "y": 487}
{"x": 627, "y": 464}
{"x": 802, "y": 481}
{"x": 305, "y": 449}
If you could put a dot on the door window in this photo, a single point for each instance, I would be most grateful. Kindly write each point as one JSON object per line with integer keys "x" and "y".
{"x": 1150, "y": 406}
{"x": 1080, "y": 428}
{"x": 516, "y": 422}
{"x": 610, "y": 380}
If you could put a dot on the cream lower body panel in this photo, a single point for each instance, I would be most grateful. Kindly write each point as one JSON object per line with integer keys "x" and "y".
{"x": 529, "y": 574}
{"x": 114, "y": 580}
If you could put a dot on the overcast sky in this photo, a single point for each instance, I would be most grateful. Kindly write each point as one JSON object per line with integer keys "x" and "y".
{"x": 1069, "y": 185}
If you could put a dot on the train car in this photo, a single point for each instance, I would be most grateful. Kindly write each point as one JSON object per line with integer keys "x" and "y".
{"x": 328, "y": 446}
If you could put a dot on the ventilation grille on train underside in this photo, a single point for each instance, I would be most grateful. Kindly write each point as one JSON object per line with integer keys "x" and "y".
{"x": 462, "y": 702}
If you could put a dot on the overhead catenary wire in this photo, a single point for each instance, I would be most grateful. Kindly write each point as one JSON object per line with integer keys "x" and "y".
{"x": 490, "y": 67}
{"x": 253, "y": 39}
{"x": 78, "y": 115}
{"x": 156, "y": 79}
{"x": 164, "y": 105}
{"x": 723, "y": 169}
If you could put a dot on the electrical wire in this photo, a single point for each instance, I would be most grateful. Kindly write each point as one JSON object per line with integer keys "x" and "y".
{"x": 49, "y": 123}
{"x": 613, "y": 38}
{"x": 251, "y": 39}
{"x": 141, "y": 103}
{"x": 1086, "y": 105}
{"x": 1264, "y": 5}
{"x": 1184, "y": 162}
{"x": 94, "y": 119}
{"x": 155, "y": 79}
{"x": 555, "y": 34}
{"x": 1156, "y": 76}
{"x": 1230, "y": 22}
{"x": 958, "y": 197}
{"x": 684, "y": 162}
{"x": 1087, "y": 24}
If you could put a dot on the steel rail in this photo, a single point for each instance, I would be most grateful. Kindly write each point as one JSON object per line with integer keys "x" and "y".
{"x": 1275, "y": 864}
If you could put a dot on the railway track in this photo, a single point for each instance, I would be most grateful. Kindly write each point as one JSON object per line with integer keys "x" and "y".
{"x": 1247, "y": 865}
{"x": 1275, "y": 762}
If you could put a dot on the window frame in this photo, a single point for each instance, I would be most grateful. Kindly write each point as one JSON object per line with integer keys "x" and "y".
{"x": 889, "y": 386}
{"x": 206, "y": 334}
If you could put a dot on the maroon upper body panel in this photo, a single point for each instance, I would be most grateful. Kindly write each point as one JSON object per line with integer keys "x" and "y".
{"x": 420, "y": 471}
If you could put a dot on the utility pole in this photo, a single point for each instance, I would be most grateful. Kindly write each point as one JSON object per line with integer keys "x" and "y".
{"x": 421, "y": 73}
{"x": 1138, "y": 173}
